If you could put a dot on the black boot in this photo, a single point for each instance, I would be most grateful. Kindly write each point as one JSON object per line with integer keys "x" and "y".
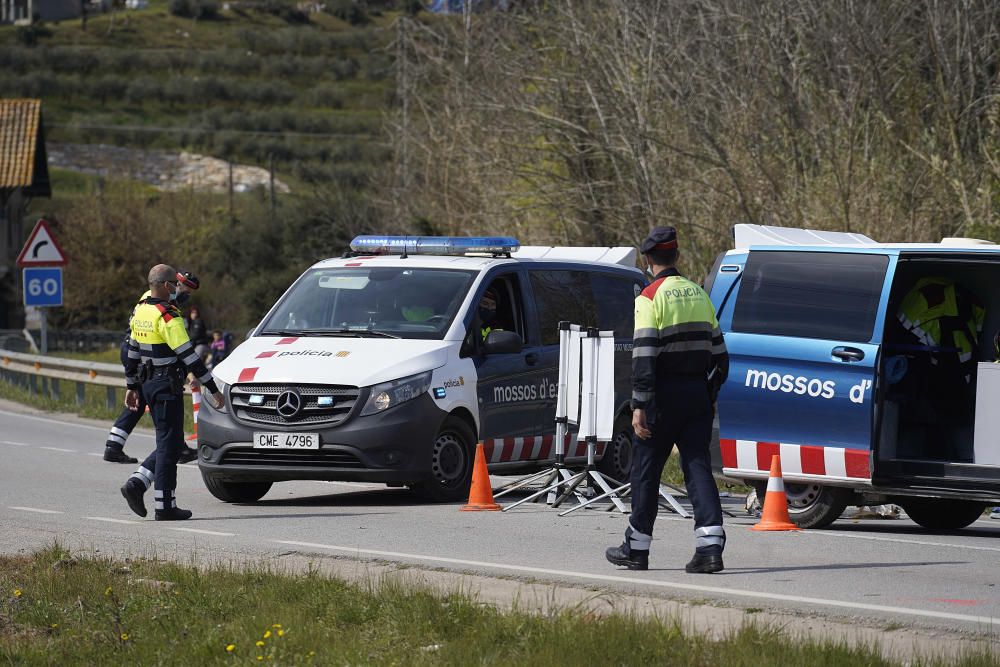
{"x": 117, "y": 455}
{"x": 630, "y": 558}
{"x": 172, "y": 514}
{"x": 133, "y": 491}
{"x": 188, "y": 454}
{"x": 704, "y": 564}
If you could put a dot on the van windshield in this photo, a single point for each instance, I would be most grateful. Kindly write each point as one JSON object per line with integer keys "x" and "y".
{"x": 371, "y": 302}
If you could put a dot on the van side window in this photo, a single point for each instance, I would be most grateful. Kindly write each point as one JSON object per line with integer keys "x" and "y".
{"x": 562, "y": 295}
{"x": 810, "y": 294}
{"x": 615, "y": 297}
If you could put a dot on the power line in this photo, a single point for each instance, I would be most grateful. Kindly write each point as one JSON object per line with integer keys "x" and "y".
{"x": 208, "y": 130}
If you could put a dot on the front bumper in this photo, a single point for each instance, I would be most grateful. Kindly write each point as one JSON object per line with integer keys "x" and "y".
{"x": 391, "y": 446}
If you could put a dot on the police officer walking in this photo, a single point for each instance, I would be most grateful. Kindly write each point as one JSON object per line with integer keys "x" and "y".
{"x": 159, "y": 356}
{"x": 679, "y": 361}
{"x": 114, "y": 446}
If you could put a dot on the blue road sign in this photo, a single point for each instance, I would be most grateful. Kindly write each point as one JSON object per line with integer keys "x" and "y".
{"x": 43, "y": 287}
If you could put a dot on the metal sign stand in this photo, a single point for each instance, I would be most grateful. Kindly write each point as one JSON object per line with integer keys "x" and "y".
{"x": 558, "y": 475}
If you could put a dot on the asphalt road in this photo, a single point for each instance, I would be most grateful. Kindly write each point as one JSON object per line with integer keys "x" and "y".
{"x": 55, "y": 487}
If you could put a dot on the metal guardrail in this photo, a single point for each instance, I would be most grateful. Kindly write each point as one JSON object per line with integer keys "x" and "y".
{"x": 40, "y": 374}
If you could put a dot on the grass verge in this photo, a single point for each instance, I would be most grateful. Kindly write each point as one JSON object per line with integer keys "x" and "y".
{"x": 59, "y": 609}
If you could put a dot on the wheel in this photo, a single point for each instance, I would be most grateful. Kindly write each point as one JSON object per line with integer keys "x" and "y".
{"x": 235, "y": 492}
{"x": 811, "y": 505}
{"x": 451, "y": 464}
{"x": 617, "y": 460}
{"x": 942, "y": 514}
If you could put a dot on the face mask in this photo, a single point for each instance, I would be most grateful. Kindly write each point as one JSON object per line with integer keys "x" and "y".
{"x": 181, "y": 298}
{"x": 172, "y": 296}
{"x": 486, "y": 315}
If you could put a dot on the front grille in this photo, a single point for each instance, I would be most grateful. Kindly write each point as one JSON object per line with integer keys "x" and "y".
{"x": 302, "y": 458}
{"x": 311, "y": 412}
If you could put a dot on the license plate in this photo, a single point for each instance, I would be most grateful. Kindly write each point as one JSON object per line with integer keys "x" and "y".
{"x": 285, "y": 440}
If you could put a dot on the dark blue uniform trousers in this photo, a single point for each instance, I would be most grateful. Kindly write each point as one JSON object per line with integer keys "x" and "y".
{"x": 128, "y": 419}
{"x": 167, "y": 411}
{"x": 683, "y": 416}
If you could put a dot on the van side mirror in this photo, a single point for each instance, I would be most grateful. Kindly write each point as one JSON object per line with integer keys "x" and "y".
{"x": 502, "y": 342}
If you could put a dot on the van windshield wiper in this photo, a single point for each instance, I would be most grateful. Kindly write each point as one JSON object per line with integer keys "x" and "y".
{"x": 281, "y": 332}
{"x": 333, "y": 333}
{"x": 373, "y": 332}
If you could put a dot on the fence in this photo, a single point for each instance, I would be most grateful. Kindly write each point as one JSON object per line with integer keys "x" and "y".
{"x": 41, "y": 375}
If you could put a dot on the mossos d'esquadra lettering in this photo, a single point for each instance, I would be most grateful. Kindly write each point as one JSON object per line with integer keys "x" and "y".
{"x": 791, "y": 384}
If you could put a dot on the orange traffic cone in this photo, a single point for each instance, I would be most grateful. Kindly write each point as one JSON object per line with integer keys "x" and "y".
{"x": 775, "y": 514}
{"x": 481, "y": 493}
{"x": 195, "y": 407}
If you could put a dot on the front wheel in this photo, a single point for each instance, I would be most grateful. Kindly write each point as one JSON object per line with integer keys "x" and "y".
{"x": 617, "y": 460}
{"x": 451, "y": 464}
{"x": 942, "y": 514}
{"x": 811, "y": 505}
{"x": 235, "y": 492}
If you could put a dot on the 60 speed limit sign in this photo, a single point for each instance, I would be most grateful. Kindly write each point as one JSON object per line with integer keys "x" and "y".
{"x": 43, "y": 286}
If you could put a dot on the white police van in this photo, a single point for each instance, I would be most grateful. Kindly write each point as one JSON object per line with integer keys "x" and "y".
{"x": 378, "y": 367}
{"x": 824, "y": 373}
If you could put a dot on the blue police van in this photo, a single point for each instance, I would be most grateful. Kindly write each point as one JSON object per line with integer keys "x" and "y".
{"x": 827, "y": 373}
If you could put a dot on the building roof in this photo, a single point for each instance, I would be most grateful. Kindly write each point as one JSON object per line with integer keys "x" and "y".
{"x": 23, "y": 162}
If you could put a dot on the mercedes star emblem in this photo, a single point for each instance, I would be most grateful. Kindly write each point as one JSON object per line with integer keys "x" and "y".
{"x": 289, "y": 403}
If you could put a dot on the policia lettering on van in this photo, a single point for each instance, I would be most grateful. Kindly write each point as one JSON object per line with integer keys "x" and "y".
{"x": 865, "y": 367}
{"x": 436, "y": 343}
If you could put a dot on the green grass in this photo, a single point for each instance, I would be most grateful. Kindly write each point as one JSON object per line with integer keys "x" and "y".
{"x": 59, "y": 609}
{"x": 94, "y": 405}
{"x": 109, "y": 356}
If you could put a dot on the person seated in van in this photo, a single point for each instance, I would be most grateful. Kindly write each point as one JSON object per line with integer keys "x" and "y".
{"x": 488, "y": 311}
{"x": 945, "y": 319}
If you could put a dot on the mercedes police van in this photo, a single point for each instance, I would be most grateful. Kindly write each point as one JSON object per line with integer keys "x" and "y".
{"x": 380, "y": 366}
{"x": 829, "y": 370}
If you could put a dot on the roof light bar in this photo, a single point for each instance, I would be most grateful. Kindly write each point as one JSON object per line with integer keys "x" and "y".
{"x": 435, "y": 245}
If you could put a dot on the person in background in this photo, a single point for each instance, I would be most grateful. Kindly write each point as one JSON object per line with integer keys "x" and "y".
{"x": 218, "y": 347}
{"x": 197, "y": 331}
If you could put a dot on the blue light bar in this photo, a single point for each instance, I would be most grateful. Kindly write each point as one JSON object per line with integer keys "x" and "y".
{"x": 435, "y": 245}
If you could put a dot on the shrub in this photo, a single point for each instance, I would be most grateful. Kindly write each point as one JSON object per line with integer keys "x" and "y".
{"x": 348, "y": 10}
{"x": 28, "y": 35}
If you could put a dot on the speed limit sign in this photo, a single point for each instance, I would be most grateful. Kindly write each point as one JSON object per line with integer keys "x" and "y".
{"x": 43, "y": 286}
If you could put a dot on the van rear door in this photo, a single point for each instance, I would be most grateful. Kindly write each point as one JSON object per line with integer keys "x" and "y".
{"x": 803, "y": 330}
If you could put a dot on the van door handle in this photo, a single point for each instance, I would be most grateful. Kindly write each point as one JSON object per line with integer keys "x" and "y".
{"x": 531, "y": 358}
{"x": 848, "y": 353}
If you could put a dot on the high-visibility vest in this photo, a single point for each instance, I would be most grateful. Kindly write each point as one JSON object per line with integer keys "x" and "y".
{"x": 942, "y": 314}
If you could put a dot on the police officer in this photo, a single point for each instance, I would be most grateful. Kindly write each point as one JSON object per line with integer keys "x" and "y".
{"x": 679, "y": 360}
{"x": 488, "y": 311}
{"x": 114, "y": 446}
{"x": 159, "y": 356}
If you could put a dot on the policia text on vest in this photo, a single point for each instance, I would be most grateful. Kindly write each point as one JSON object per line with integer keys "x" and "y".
{"x": 159, "y": 353}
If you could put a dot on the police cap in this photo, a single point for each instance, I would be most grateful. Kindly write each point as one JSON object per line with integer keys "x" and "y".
{"x": 660, "y": 238}
{"x": 188, "y": 279}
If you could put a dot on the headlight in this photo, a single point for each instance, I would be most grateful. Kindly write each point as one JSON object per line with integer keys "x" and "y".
{"x": 206, "y": 397}
{"x": 390, "y": 394}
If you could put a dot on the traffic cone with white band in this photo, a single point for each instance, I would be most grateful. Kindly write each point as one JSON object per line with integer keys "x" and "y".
{"x": 195, "y": 406}
{"x": 775, "y": 513}
{"x": 481, "y": 491}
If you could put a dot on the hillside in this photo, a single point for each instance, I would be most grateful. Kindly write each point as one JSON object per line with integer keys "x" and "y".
{"x": 251, "y": 85}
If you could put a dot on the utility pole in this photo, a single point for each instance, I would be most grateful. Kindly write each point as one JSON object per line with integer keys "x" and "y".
{"x": 270, "y": 170}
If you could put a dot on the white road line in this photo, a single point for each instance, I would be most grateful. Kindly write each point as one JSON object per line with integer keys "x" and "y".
{"x": 109, "y": 519}
{"x": 16, "y": 444}
{"x": 35, "y": 509}
{"x": 95, "y": 454}
{"x": 60, "y": 449}
{"x": 982, "y": 620}
{"x": 65, "y": 423}
{"x": 898, "y": 540}
{"x": 204, "y": 532}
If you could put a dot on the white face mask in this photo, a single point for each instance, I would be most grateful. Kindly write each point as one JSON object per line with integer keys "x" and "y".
{"x": 172, "y": 296}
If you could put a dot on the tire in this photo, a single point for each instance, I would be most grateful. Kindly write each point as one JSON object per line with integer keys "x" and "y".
{"x": 811, "y": 505}
{"x": 942, "y": 514}
{"x": 617, "y": 460}
{"x": 451, "y": 464}
{"x": 235, "y": 492}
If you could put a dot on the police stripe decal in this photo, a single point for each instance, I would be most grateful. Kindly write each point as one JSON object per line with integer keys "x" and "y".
{"x": 248, "y": 374}
{"x": 532, "y": 448}
{"x": 807, "y": 461}
{"x": 287, "y": 341}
